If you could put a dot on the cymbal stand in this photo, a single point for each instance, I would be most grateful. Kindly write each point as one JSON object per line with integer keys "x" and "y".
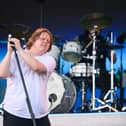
{"x": 94, "y": 71}
{"x": 94, "y": 99}
{"x": 111, "y": 92}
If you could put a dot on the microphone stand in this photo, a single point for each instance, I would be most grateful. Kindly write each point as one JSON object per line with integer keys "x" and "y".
{"x": 25, "y": 89}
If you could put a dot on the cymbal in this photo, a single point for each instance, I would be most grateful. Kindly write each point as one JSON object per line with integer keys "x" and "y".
{"x": 122, "y": 38}
{"x": 17, "y": 30}
{"x": 95, "y": 20}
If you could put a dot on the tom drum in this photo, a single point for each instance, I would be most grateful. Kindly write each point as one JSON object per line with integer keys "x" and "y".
{"x": 72, "y": 51}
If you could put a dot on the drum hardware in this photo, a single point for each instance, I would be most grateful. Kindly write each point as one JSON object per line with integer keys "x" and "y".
{"x": 87, "y": 46}
{"x": 94, "y": 99}
{"x": 111, "y": 92}
{"x": 88, "y": 57}
{"x": 83, "y": 95}
{"x": 84, "y": 104}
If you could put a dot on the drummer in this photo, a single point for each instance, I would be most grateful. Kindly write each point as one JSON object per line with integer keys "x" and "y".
{"x": 102, "y": 53}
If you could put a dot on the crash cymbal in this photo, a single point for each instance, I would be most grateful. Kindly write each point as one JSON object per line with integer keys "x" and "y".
{"x": 95, "y": 20}
{"x": 17, "y": 30}
{"x": 122, "y": 38}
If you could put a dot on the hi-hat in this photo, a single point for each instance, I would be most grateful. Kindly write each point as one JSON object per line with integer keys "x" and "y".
{"x": 95, "y": 20}
{"x": 17, "y": 30}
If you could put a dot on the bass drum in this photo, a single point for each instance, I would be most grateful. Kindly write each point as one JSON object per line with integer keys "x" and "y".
{"x": 61, "y": 93}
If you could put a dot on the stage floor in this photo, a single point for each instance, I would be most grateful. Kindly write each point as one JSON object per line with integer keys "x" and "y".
{"x": 87, "y": 119}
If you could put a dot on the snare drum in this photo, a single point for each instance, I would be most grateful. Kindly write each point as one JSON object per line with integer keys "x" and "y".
{"x": 63, "y": 93}
{"x": 72, "y": 51}
{"x": 81, "y": 70}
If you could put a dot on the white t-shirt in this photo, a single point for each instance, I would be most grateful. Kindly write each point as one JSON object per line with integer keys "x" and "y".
{"x": 36, "y": 84}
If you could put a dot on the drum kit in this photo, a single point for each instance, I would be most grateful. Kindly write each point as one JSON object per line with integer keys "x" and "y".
{"x": 72, "y": 51}
{"x": 62, "y": 93}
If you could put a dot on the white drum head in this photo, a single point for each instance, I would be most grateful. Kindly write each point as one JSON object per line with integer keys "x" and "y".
{"x": 56, "y": 89}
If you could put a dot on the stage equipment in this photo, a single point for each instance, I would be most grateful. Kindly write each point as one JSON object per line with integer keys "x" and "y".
{"x": 61, "y": 93}
{"x": 95, "y": 20}
{"x": 81, "y": 70}
{"x": 72, "y": 51}
{"x": 24, "y": 86}
{"x": 104, "y": 104}
{"x": 111, "y": 92}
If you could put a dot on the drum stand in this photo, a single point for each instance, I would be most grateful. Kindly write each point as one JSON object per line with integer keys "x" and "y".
{"x": 83, "y": 97}
{"x": 111, "y": 92}
{"x": 94, "y": 99}
{"x": 83, "y": 107}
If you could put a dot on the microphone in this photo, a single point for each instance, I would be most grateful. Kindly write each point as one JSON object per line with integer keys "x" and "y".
{"x": 52, "y": 97}
{"x": 22, "y": 41}
{"x": 9, "y": 36}
{"x": 11, "y": 42}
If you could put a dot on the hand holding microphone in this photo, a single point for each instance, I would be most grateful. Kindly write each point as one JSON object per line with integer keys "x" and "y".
{"x": 13, "y": 43}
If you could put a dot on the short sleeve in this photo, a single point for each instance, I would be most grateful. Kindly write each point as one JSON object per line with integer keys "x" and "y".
{"x": 48, "y": 61}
